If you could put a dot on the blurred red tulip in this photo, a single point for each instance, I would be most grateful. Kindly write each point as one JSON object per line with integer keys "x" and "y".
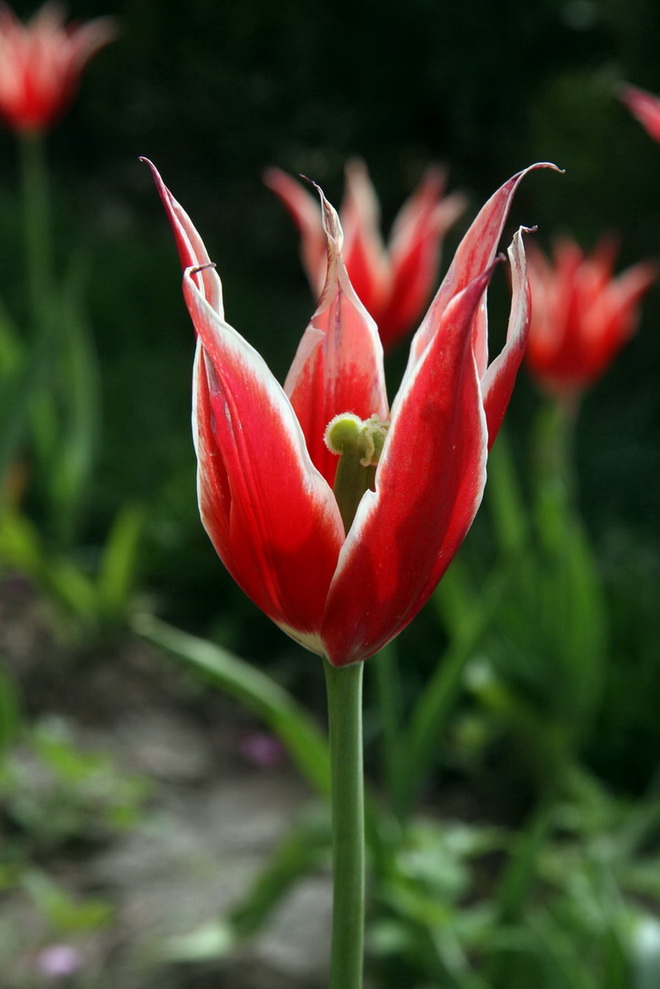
{"x": 41, "y": 62}
{"x": 581, "y": 314}
{"x": 394, "y": 283}
{"x": 343, "y": 587}
{"x": 645, "y": 107}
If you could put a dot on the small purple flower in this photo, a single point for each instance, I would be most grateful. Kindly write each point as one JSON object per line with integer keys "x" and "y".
{"x": 59, "y": 960}
{"x": 262, "y": 749}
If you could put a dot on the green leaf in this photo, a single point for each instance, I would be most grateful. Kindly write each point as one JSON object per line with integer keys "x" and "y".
{"x": 305, "y": 848}
{"x": 429, "y": 717}
{"x": 272, "y": 703}
{"x": 64, "y": 913}
{"x": 22, "y": 547}
{"x": 210, "y": 942}
{"x": 77, "y": 394}
{"x": 118, "y": 567}
{"x": 18, "y": 386}
{"x": 9, "y": 711}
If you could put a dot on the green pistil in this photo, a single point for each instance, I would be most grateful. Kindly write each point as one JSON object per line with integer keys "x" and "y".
{"x": 359, "y": 444}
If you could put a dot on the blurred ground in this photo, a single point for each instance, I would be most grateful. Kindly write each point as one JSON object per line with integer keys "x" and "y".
{"x": 210, "y": 821}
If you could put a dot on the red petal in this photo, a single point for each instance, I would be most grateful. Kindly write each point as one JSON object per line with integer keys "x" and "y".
{"x": 364, "y": 251}
{"x": 271, "y": 517}
{"x": 192, "y": 252}
{"x": 415, "y": 247}
{"x": 429, "y": 484}
{"x": 305, "y": 212}
{"x": 499, "y": 379}
{"x": 475, "y": 253}
{"x": 339, "y": 364}
{"x": 645, "y": 107}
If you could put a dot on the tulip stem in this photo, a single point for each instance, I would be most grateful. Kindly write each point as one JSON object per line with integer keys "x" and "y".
{"x": 344, "y": 688}
{"x": 36, "y": 213}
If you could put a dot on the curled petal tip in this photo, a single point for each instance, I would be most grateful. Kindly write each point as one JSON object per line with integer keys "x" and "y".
{"x": 154, "y": 171}
{"x": 548, "y": 164}
{"x": 541, "y": 164}
{"x": 195, "y": 269}
{"x": 330, "y": 217}
{"x": 331, "y": 223}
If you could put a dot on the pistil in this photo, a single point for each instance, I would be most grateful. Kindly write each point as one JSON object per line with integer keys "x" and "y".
{"x": 359, "y": 444}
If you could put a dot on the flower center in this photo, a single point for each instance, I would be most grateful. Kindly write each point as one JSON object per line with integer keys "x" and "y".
{"x": 359, "y": 444}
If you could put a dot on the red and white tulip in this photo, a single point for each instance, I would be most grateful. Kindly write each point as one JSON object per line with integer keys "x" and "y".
{"x": 266, "y": 476}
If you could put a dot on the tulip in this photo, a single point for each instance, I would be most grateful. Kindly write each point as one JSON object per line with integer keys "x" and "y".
{"x": 645, "y": 107}
{"x": 581, "y": 314}
{"x": 393, "y": 283}
{"x": 344, "y": 571}
{"x": 41, "y": 62}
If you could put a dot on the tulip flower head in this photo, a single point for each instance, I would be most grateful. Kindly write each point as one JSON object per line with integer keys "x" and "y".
{"x": 336, "y": 514}
{"x": 394, "y": 283}
{"x": 581, "y": 313}
{"x": 41, "y": 62}
{"x": 645, "y": 107}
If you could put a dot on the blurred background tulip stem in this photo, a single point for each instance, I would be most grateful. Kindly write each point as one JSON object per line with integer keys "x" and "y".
{"x": 36, "y": 213}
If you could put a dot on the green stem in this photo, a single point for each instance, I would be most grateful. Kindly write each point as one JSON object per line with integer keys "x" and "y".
{"x": 37, "y": 225}
{"x": 344, "y": 688}
{"x": 554, "y": 437}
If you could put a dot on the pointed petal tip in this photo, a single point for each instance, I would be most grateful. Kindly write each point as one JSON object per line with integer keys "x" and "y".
{"x": 546, "y": 164}
{"x": 164, "y": 192}
{"x": 539, "y": 164}
{"x": 331, "y": 223}
{"x": 280, "y": 182}
{"x": 271, "y": 176}
{"x": 147, "y": 161}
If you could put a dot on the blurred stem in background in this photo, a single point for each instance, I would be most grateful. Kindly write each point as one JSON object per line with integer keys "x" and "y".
{"x": 65, "y": 404}
{"x": 50, "y": 429}
{"x": 37, "y": 226}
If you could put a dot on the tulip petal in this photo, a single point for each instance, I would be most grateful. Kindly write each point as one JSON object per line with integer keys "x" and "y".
{"x": 364, "y": 251}
{"x": 475, "y": 253}
{"x": 415, "y": 246}
{"x": 613, "y": 318}
{"x": 305, "y": 212}
{"x": 192, "y": 252}
{"x": 582, "y": 314}
{"x": 499, "y": 379}
{"x": 644, "y": 106}
{"x": 270, "y": 515}
{"x": 339, "y": 363}
{"x": 429, "y": 484}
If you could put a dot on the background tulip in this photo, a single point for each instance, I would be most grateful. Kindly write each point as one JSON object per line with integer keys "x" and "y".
{"x": 645, "y": 107}
{"x": 41, "y": 62}
{"x": 581, "y": 313}
{"x": 395, "y": 282}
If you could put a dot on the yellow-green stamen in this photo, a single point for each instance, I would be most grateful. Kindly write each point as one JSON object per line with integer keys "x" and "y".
{"x": 359, "y": 444}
